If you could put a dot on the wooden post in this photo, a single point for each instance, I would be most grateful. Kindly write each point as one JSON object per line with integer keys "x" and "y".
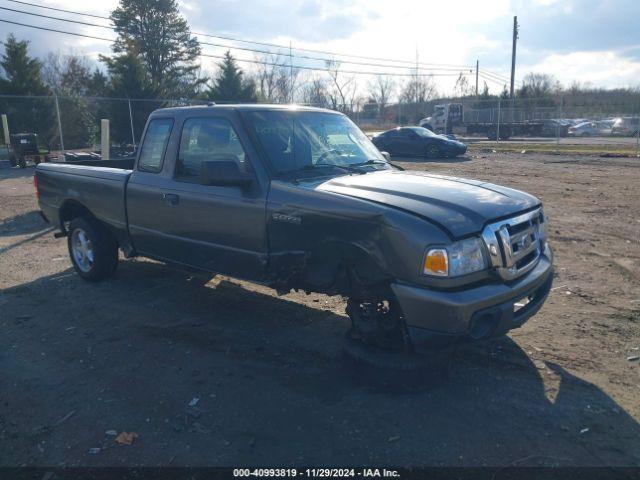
{"x": 104, "y": 134}
{"x": 5, "y": 129}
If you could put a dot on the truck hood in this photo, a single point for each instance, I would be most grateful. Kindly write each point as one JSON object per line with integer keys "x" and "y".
{"x": 459, "y": 206}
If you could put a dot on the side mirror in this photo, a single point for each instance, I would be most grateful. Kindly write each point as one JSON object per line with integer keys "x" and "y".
{"x": 386, "y": 155}
{"x": 224, "y": 173}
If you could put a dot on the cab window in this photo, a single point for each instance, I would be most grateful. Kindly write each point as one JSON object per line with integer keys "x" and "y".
{"x": 155, "y": 145}
{"x": 207, "y": 139}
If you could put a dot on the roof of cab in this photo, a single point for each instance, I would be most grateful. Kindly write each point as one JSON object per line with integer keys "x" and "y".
{"x": 247, "y": 107}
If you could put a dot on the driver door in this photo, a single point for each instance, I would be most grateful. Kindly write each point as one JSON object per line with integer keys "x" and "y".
{"x": 216, "y": 228}
{"x": 408, "y": 142}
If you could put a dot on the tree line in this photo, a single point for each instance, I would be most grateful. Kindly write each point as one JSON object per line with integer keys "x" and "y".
{"x": 154, "y": 60}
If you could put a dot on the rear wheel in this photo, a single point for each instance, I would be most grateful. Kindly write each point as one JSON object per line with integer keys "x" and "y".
{"x": 433, "y": 151}
{"x": 92, "y": 248}
{"x": 22, "y": 162}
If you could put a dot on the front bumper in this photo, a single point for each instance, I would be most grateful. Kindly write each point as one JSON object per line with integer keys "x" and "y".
{"x": 454, "y": 150}
{"x": 439, "y": 318}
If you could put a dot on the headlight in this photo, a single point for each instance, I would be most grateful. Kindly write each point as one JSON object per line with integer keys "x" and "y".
{"x": 543, "y": 228}
{"x": 460, "y": 258}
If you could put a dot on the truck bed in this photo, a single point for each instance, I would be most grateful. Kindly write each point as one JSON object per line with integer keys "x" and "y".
{"x": 101, "y": 190}
{"x": 121, "y": 163}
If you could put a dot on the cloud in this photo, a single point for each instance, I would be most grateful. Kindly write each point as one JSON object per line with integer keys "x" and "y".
{"x": 301, "y": 20}
{"x": 577, "y": 25}
{"x": 593, "y": 67}
{"x": 586, "y": 40}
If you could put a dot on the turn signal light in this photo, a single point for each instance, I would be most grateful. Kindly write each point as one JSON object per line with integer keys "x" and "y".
{"x": 436, "y": 263}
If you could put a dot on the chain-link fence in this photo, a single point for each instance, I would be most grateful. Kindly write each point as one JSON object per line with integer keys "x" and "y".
{"x": 542, "y": 122}
{"x": 70, "y": 126}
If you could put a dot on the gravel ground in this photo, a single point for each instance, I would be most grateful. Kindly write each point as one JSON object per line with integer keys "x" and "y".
{"x": 81, "y": 361}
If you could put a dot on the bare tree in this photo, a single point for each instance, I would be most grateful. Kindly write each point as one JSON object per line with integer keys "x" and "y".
{"x": 416, "y": 92}
{"x": 381, "y": 89}
{"x": 343, "y": 88}
{"x": 538, "y": 85}
{"x": 314, "y": 92}
{"x": 277, "y": 82}
{"x": 287, "y": 84}
{"x": 52, "y": 70}
{"x": 462, "y": 87}
{"x": 266, "y": 76}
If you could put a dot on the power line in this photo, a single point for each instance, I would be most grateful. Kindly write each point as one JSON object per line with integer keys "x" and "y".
{"x": 494, "y": 80}
{"x": 57, "y": 31}
{"x": 233, "y": 47}
{"x": 355, "y": 72}
{"x": 59, "y": 9}
{"x": 495, "y": 75}
{"x": 500, "y": 83}
{"x": 56, "y": 18}
{"x": 325, "y": 52}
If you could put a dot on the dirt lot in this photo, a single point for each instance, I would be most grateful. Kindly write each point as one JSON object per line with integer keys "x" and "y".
{"x": 79, "y": 360}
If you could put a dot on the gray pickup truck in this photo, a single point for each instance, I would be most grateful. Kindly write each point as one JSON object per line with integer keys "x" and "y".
{"x": 299, "y": 198}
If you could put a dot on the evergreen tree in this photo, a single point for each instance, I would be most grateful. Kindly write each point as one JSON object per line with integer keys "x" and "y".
{"x": 129, "y": 79}
{"x": 155, "y": 30}
{"x": 20, "y": 75}
{"x": 230, "y": 85}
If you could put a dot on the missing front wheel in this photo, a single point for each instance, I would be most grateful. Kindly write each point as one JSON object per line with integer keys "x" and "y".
{"x": 378, "y": 323}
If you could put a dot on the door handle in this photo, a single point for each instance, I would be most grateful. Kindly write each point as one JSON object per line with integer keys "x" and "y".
{"x": 171, "y": 199}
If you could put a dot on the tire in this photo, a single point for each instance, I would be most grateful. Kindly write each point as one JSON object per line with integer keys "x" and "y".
{"x": 433, "y": 151}
{"x": 13, "y": 161}
{"x": 92, "y": 249}
{"x": 22, "y": 163}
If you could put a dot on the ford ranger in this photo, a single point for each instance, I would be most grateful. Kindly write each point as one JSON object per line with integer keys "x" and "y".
{"x": 299, "y": 198}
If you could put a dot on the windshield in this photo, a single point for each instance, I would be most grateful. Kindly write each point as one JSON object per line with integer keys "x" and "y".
{"x": 299, "y": 140}
{"x": 424, "y": 132}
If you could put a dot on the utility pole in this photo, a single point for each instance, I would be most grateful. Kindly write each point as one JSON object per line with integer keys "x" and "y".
{"x": 513, "y": 54}
{"x": 477, "y": 65}
{"x": 290, "y": 74}
{"x": 59, "y": 124}
{"x": 133, "y": 135}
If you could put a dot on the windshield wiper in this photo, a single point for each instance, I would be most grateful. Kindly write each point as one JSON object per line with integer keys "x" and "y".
{"x": 310, "y": 168}
{"x": 369, "y": 162}
{"x": 376, "y": 162}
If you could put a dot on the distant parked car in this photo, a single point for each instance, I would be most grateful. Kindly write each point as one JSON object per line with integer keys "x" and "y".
{"x": 591, "y": 129}
{"x": 555, "y": 126}
{"x": 626, "y": 126}
{"x": 24, "y": 148}
{"x": 418, "y": 141}
{"x": 576, "y": 121}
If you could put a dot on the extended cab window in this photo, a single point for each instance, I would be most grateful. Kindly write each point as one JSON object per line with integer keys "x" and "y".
{"x": 207, "y": 139}
{"x": 155, "y": 144}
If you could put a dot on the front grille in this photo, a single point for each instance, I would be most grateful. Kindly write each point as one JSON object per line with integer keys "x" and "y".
{"x": 514, "y": 244}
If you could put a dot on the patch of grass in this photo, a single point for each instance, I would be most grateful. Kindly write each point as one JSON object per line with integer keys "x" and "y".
{"x": 553, "y": 149}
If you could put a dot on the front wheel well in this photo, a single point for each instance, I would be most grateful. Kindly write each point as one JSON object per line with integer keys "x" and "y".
{"x": 345, "y": 269}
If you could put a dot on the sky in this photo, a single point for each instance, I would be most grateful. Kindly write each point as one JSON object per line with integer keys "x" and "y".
{"x": 595, "y": 42}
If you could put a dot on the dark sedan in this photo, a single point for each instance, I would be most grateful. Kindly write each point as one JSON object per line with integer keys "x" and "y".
{"x": 418, "y": 141}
